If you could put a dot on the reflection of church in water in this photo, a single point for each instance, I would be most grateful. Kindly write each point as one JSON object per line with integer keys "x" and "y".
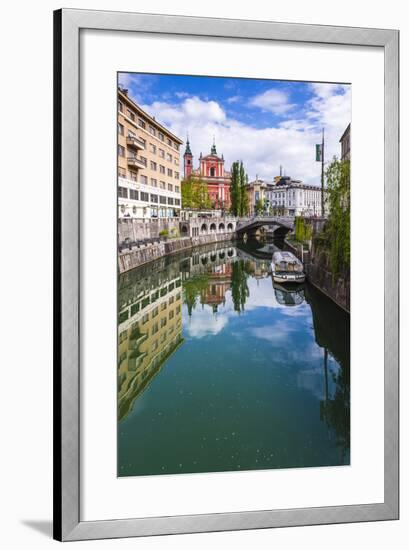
{"x": 219, "y": 282}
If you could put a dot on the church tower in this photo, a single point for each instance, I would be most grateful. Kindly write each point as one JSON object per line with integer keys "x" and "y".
{"x": 188, "y": 160}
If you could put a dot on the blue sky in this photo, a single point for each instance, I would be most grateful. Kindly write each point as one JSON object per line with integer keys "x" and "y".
{"x": 265, "y": 123}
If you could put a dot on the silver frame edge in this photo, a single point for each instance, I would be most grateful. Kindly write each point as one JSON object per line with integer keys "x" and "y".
{"x": 67, "y": 489}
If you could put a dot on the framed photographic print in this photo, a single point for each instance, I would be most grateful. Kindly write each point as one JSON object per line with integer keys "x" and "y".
{"x": 226, "y": 274}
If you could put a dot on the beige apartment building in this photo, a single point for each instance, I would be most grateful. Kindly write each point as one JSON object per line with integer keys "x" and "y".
{"x": 149, "y": 180}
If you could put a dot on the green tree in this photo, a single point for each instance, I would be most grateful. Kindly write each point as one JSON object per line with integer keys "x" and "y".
{"x": 238, "y": 190}
{"x": 235, "y": 189}
{"x": 195, "y": 194}
{"x": 187, "y": 192}
{"x": 259, "y": 206}
{"x": 337, "y": 229}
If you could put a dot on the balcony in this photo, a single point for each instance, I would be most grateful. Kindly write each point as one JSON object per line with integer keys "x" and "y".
{"x": 135, "y": 143}
{"x": 135, "y": 162}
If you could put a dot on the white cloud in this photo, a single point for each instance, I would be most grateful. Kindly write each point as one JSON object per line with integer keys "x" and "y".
{"x": 290, "y": 144}
{"x": 234, "y": 99}
{"x": 181, "y": 95}
{"x": 273, "y": 101}
{"x": 205, "y": 323}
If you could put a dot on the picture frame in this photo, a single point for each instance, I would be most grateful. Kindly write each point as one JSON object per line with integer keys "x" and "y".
{"x": 68, "y": 24}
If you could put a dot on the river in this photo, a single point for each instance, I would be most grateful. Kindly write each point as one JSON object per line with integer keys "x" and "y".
{"x": 220, "y": 370}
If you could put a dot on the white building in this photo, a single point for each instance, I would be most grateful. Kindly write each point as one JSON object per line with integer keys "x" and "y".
{"x": 137, "y": 199}
{"x": 292, "y": 198}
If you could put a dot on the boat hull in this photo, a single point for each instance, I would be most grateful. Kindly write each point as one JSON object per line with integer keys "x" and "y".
{"x": 290, "y": 278}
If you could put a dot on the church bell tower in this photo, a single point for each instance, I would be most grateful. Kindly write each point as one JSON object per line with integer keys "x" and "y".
{"x": 188, "y": 160}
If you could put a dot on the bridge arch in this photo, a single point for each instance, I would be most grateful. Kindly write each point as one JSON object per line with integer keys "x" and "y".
{"x": 229, "y": 226}
{"x": 213, "y": 227}
{"x": 221, "y": 226}
{"x": 203, "y": 228}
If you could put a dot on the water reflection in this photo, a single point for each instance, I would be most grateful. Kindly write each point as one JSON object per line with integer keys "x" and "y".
{"x": 220, "y": 369}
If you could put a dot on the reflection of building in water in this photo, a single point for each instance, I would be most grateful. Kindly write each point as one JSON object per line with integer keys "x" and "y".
{"x": 287, "y": 296}
{"x": 219, "y": 282}
{"x": 150, "y": 330}
{"x": 203, "y": 260}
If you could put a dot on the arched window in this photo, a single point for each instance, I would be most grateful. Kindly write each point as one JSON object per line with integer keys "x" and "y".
{"x": 212, "y": 171}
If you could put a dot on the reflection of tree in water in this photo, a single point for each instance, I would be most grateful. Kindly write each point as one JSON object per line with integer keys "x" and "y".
{"x": 192, "y": 289}
{"x": 331, "y": 328}
{"x": 239, "y": 288}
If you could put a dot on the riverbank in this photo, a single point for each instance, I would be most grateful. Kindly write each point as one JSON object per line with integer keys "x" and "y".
{"x": 318, "y": 272}
{"x": 142, "y": 255}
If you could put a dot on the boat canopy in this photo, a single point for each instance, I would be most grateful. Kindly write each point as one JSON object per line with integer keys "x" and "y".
{"x": 286, "y": 261}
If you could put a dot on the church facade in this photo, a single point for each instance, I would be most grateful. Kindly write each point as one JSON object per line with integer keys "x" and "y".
{"x": 211, "y": 170}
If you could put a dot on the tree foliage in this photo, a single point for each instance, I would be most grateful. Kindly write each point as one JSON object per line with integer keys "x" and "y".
{"x": 259, "y": 207}
{"x": 303, "y": 230}
{"x": 195, "y": 194}
{"x": 239, "y": 287}
{"x": 238, "y": 190}
{"x": 337, "y": 230}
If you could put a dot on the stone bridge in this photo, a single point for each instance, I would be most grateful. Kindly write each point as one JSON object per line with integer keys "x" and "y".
{"x": 281, "y": 225}
{"x": 198, "y": 227}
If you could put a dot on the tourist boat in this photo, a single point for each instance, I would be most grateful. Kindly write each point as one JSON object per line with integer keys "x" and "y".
{"x": 286, "y": 268}
{"x": 289, "y": 295}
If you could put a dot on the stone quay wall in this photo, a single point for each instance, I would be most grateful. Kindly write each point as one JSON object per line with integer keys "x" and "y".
{"x": 134, "y": 229}
{"x": 136, "y": 257}
{"x": 318, "y": 271}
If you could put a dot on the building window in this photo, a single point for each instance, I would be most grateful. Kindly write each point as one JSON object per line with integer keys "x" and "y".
{"x": 170, "y": 187}
{"x": 176, "y": 161}
{"x": 144, "y": 196}
{"x": 169, "y": 142}
{"x": 161, "y": 136}
{"x": 154, "y": 182}
{"x": 154, "y": 166}
{"x": 177, "y": 202}
{"x": 121, "y": 151}
{"x": 154, "y": 198}
{"x": 122, "y": 192}
{"x": 212, "y": 171}
{"x": 161, "y": 169}
{"x": 120, "y": 129}
{"x": 162, "y": 185}
{"x": 169, "y": 157}
{"x": 162, "y": 153}
{"x": 162, "y": 199}
{"x": 134, "y": 176}
{"x": 170, "y": 200}
{"x": 143, "y": 160}
{"x": 141, "y": 123}
{"x": 120, "y": 106}
{"x": 121, "y": 172}
{"x": 131, "y": 114}
{"x": 170, "y": 172}
{"x": 134, "y": 194}
{"x": 152, "y": 148}
{"x": 152, "y": 131}
{"x": 177, "y": 175}
{"x": 177, "y": 189}
{"x": 144, "y": 180}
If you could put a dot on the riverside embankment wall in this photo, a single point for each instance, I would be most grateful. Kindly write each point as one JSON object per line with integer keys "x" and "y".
{"x": 318, "y": 270}
{"x": 142, "y": 255}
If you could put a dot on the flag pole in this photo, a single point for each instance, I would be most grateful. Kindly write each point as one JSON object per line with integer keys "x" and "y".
{"x": 322, "y": 176}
